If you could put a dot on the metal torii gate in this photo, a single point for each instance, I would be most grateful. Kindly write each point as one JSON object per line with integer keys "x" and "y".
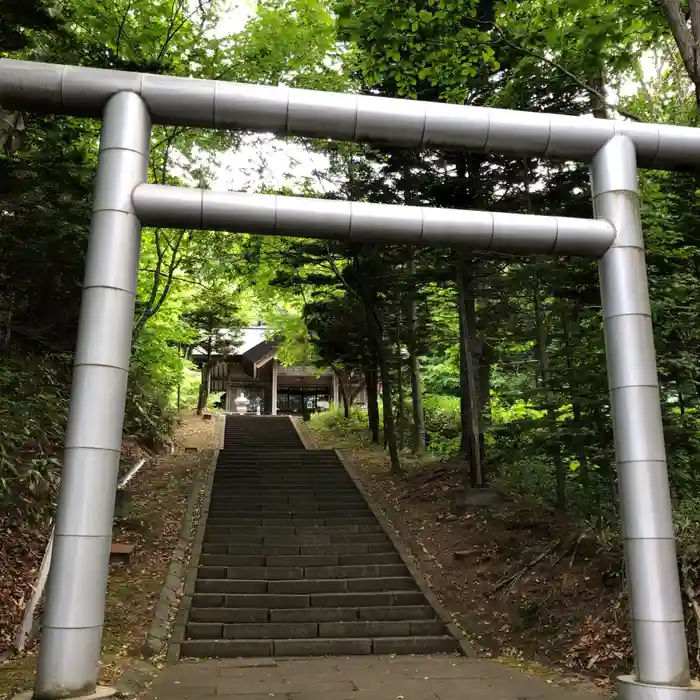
{"x": 128, "y": 103}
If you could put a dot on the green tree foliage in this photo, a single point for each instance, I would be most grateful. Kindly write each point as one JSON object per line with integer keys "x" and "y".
{"x": 407, "y": 46}
{"x": 46, "y": 170}
{"x": 507, "y": 353}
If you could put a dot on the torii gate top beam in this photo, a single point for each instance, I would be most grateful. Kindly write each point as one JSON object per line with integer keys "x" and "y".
{"x": 222, "y": 105}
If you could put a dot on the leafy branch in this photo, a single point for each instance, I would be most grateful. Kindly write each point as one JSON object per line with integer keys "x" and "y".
{"x": 558, "y": 66}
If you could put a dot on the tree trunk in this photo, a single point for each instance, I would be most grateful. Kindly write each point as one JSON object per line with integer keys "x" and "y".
{"x": 203, "y": 393}
{"x": 484, "y": 384}
{"x": 608, "y": 465}
{"x": 417, "y": 399}
{"x": 473, "y": 357}
{"x": 580, "y": 438}
{"x": 179, "y": 378}
{"x": 372, "y": 408}
{"x": 206, "y": 379}
{"x": 543, "y": 361}
{"x": 344, "y": 396}
{"x": 597, "y": 82}
{"x": 469, "y": 404}
{"x": 340, "y": 376}
{"x": 353, "y": 391}
{"x": 687, "y": 37}
{"x": 400, "y": 413}
{"x": 415, "y": 371}
{"x": 389, "y": 427}
{"x": 582, "y": 455}
{"x": 7, "y": 335}
{"x": 417, "y": 406}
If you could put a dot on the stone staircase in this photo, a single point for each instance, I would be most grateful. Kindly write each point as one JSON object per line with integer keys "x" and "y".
{"x": 294, "y": 563}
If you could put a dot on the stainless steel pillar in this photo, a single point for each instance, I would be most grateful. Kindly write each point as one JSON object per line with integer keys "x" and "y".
{"x": 72, "y": 625}
{"x": 658, "y": 634}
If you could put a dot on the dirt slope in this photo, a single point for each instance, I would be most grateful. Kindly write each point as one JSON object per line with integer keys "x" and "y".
{"x": 522, "y": 583}
{"x": 160, "y": 492}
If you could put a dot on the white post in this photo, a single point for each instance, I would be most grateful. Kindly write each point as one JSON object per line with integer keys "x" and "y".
{"x": 336, "y": 391}
{"x": 274, "y": 386}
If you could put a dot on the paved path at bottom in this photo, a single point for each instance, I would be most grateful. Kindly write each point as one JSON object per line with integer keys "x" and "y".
{"x": 356, "y": 678}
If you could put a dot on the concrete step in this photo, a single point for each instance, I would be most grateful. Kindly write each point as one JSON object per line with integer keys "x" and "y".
{"x": 260, "y": 445}
{"x": 286, "y": 519}
{"x": 295, "y": 549}
{"x": 349, "y": 585}
{"x": 305, "y": 586}
{"x": 288, "y": 573}
{"x": 280, "y": 466}
{"x": 279, "y": 463}
{"x": 267, "y": 530}
{"x": 265, "y": 443}
{"x": 202, "y": 585}
{"x": 233, "y": 648}
{"x": 393, "y": 628}
{"x": 233, "y": 524}
{"x": 310, "y": 630}
{"x": 315, "y": 600}
{"x": 327, "y": 499}
{"x": 308, "y": 490}
{"x": 305, "y": 473}
{"x": 390, "y": 612}
{"x": 271, "y": 449}
{"x": 231, "y": 615}
{"x": 296, "y": 559}
{"x": 286, "y": 505}
{"x": 263, "y": 452}
{"x": 282, "y": 474}
{"x": 219, "y": 509}
{"x": 225, "y": 615}
{"x": 281, "y": 470}
{"x": 318, "y": 509}
{"x": 297, "y": 496}
{"x": 305, "y": 476}
{"x": 245, "y": 457}
{"x": 287, "y": 462}
{"x": 290, "y": 486}
{"x": 288, "y": 515}
{"x": 243, "y": 630}
{"x": 268, "y": 495}
{"x": 301, "y": 540}
{"x": 317, "y": 486}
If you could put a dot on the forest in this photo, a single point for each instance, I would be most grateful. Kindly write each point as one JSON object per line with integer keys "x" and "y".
{"x": 495, "y": 364}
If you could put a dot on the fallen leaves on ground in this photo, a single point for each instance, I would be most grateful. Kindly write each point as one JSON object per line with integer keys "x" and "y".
{"x": 159, "y": 497}
{"x": 557, "y": 611}
{"x": 21, "y": 551}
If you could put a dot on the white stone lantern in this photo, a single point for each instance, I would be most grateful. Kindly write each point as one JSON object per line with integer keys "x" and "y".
{"x": 242, "y": 404}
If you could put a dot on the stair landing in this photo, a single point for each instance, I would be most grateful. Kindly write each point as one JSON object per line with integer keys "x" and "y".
{"x": 359, "y": 678}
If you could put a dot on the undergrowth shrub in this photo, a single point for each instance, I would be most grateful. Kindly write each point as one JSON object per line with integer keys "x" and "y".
{"x": 34, "y": 397}
{"x": 33, "y": 410}
{"x": 334, "y": 421}
{"x": 442, "y": 424}
{"x": 155, "y": 370}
